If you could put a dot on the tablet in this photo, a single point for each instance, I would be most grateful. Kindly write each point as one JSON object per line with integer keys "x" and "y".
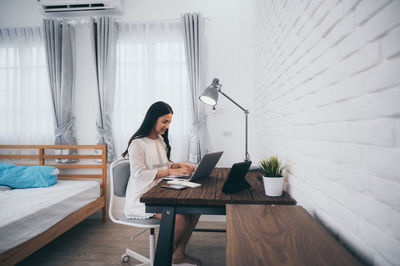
{"x": 236, "y": 182}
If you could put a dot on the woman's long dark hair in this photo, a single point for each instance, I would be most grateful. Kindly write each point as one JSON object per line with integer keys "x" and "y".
{"x": 156, "y": 110}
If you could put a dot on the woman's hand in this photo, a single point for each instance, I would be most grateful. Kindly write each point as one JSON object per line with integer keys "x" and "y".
{"x": 179, "y": 171}
{"x": 188, "y": 166}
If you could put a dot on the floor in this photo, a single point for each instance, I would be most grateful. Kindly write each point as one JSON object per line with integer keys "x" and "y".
{"x": 94, "y": 243}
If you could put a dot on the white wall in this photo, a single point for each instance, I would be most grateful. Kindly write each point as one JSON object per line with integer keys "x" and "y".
{"x": 327, "y": 102}
{"x": 228, "y": 40}
{"x": 19, "y": 13}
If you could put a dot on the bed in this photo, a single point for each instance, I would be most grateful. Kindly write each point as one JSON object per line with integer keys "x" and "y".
{"x": 31, "y": 218}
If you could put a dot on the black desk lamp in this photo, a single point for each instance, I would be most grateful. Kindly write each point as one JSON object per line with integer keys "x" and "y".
{"x": 210, "y": 97}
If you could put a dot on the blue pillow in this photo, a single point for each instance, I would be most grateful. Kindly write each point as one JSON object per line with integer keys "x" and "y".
{"x": 22, "y": 176}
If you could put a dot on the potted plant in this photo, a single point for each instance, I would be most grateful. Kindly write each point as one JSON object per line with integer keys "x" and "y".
{"x": 272, "y": 169}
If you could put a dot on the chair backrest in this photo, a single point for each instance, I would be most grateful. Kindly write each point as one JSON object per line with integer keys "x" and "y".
{"x": 120, "y": 172}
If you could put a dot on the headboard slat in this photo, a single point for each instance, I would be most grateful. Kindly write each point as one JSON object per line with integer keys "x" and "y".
{"x": 58, "y": 146}
{"x": 77, "y": 156}
{"x": 70, "y": 166}
{"x": 18, "y": 156}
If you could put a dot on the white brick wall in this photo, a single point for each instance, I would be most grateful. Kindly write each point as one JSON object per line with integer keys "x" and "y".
{"x": 327, "y": 102}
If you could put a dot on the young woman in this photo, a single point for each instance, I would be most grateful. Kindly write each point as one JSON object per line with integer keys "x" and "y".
{"x": 149, "y": 153}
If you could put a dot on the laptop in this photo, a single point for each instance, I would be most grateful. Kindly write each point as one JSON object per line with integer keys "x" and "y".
{"x": 236, "y": 182}
{"x": 204, "y": 169}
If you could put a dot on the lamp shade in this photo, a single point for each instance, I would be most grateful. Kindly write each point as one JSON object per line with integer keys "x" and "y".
{"x": 210, "y": 94}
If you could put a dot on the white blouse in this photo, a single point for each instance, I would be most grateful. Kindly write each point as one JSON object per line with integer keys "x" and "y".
{"x": 146, "y": 156}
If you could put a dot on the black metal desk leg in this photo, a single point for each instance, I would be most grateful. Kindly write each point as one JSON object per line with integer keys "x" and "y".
{"x": 165, "y": 241}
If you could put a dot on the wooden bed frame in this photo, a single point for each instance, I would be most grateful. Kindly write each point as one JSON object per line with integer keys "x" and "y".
{"x": 16, "y": 254}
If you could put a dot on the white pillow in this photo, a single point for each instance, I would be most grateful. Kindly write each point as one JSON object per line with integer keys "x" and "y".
{"x": 55, "y": 172}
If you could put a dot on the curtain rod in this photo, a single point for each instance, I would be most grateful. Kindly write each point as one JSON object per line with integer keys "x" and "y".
{"x": 84, "y": 20}
{"x": 144, "y": 20}
{"x": 122, "y": 19}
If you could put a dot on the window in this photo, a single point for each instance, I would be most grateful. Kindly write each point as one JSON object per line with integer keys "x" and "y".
{"x": 25, "y": 102}
{"x": 151, "y": 66}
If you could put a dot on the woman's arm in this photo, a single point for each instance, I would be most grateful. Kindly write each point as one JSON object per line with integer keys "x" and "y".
{"x": 137, "y": 159}
{"x": 162, "y": 173}
{"x": 172, "y": 171}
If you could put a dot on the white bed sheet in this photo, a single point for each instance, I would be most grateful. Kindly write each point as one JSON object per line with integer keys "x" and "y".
{"x": 25, "y": 213}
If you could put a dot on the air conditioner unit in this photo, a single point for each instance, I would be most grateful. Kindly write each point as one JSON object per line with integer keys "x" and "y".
{"x": 80, "y": 7}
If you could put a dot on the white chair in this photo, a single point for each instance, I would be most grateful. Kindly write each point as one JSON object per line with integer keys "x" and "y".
{"x": 120, "y": 172}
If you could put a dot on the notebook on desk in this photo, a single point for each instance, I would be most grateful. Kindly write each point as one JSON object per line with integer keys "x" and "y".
{"x": 204, "y": 169}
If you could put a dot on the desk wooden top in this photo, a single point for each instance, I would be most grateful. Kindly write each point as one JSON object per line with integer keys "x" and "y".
{"x": 280, "y": 235}
{"x": 210, "y": 193}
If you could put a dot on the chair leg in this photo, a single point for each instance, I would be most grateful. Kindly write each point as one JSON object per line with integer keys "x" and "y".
{"x": 139, "y": 257}
{"x": 152, "y": 245}
{"x": 146, "y": 261}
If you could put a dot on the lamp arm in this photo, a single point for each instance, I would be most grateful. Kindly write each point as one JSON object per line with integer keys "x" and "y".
{"x": 244, "y": 110}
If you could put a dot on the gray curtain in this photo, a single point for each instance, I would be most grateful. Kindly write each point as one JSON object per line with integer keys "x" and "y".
{"x": 192, "y": 25}
{"x": 60, "y": 54}
{"x": 103, "y": 40}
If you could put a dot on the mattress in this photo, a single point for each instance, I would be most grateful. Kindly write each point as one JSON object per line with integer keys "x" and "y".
{"x": 25, "y": 213}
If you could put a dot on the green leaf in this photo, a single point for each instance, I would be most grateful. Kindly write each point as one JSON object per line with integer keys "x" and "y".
{"x": 271, "y": 167}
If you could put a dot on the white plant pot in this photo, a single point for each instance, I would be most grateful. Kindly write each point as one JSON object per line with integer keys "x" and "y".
{"x": 273, "y": 186}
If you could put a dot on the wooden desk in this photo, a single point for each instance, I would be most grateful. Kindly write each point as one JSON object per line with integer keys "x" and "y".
{"x": 207, "y": 199}
{"x": 280, "y": 235}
